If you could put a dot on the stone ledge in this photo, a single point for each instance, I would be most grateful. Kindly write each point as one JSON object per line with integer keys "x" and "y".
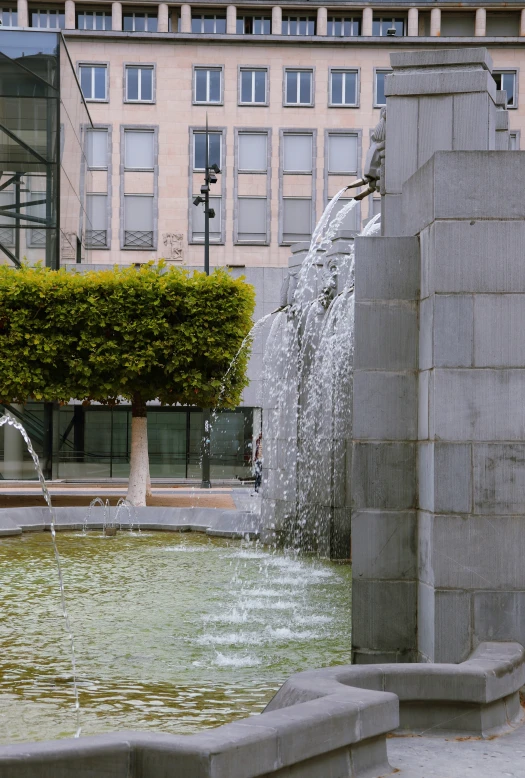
{"x": 482, "y": 692}
{"x": 213, "y": 521}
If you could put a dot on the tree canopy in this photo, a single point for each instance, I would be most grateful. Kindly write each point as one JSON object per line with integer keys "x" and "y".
{"x": 136, "y": 334}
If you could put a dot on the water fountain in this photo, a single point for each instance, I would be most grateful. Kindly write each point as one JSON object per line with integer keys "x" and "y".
{"x": 434, "y": 473}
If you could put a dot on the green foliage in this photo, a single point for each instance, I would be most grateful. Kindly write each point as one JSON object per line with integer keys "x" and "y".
{"x": 123, "y": 333}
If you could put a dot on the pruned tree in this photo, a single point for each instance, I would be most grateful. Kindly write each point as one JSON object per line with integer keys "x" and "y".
{"x": 130, "y": 334}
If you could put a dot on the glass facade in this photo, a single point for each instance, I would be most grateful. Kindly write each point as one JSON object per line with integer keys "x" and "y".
{"x": 44, "y": 179}
{"x": 95, "y": 442}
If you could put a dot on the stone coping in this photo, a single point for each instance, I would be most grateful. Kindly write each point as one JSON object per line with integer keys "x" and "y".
{"x": 213, "y": 521}
{"x": 332, "y": 721}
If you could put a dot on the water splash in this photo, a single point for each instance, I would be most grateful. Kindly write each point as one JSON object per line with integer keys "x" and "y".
{"x": 97, "y": 501}
{"x": 307, "y": 394}
{"x": 10, "y": 421}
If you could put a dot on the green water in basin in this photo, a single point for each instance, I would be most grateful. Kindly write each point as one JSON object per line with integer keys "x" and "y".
{"x": 173, "y": 633}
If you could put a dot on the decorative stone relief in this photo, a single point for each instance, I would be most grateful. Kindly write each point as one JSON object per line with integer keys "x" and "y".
{"x": 173, "y": 243}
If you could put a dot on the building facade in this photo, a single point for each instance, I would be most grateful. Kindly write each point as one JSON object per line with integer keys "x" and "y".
{"x": 291, "y": 93}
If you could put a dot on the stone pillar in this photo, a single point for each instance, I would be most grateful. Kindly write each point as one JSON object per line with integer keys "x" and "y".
{"x": 277, "y": 20}
{"x": 413, "y": 22}
{"x": 366, "y": 27}
{"x": 435, "y": 22}
{"x": 522, "y": 22}
{"x": 116, "y": 16}
{"x": 437, "y": 454}
{"x": 481, "y": 23}
{"x": 163, "y": 17}
{"x": 231, "y": 20}
{"x": 23, "y": 13}
{"x": 421, "y": 122}
{"x": 322, "y": 21}
{"x": 70, "y": 21}
{"x": 185, "y": 18}
{"x": 14, "y": 448}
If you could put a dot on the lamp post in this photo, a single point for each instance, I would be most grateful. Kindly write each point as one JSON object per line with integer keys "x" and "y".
{"x": 210, "y": 177}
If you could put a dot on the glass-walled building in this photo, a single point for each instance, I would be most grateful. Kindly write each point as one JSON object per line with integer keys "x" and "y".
{"x": 44, "y": 180}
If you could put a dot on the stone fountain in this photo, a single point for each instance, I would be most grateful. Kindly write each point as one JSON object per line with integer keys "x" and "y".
{"x": 430, "y": 463}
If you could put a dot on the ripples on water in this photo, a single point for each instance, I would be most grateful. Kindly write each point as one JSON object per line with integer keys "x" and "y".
{"x": 165, "y": 640}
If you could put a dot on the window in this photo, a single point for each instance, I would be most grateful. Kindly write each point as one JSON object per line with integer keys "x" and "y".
{"x": 48, "y": 20}
{"x": 253, "y": 152}
{"x": 214, "y": 150}
{"x": 344, "y": 27}
{"x": 382, "y": 24}
{"x": 506, "y": 79}
{"x": 379, "y": 87}
{"x": 139, "y": 153}
{"x": 342, "y": 153}
{"x": 37, "y": 237}
{"x": 96, "y": 228}
{"x": 215, "y": 223}
{"x": 298, "y": 25}
{"x": 138, "y": 221}
{"x": 208, "y": 23}
{"x": 139, "y": 83}
{"x": 253, "y": 86}
{"x": 298, "y": 87}
{"x": 139, "y": 22}
{"x": 97, "y": 149}
{"x": 343, "y": 87}
{"x": 8, "y": 18}
{"x": 208, "y": 85}
{"x": 297, "y": 219}
{"x": 514, "y": 140}
{"x": 7, "y": 232}
{"x": 252, "y": 219}
{"x": 93, "y": 81}
{"x": 93, "y": 20}
{"x": 297, "y": 153}
{"x": 254, "y": 25}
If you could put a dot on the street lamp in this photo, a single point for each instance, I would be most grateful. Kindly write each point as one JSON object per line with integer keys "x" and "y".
{"x": 210, "y": 177}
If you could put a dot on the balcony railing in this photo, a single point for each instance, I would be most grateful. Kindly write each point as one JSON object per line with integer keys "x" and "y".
{"x": 96, "y": 238}
{"x": 138, "y": 239}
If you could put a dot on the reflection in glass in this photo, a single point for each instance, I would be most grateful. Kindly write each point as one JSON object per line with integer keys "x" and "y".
{"x": 199, "y": 150}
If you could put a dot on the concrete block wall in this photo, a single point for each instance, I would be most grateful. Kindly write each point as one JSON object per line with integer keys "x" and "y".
{"x": 383, "y": 474}
{"x": 471, "y": 457}
{"x": 446, "y": 437}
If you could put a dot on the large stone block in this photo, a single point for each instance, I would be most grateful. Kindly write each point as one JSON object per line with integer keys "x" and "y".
{"x": 499, "y": 478}
{"x": 401, "y": 83}
{"x": 386, "y": 269}
{"x": 386, "y": 335}
{"x": 384, "y": 476}
{"x": 435, "y": 127}
{"x": 480, "y": 256}
{"x": 385, "y": 405}
{"x": 472, "y": 130}
{"x": 424, "y": 382}
{"x": 498, "y": 616}
{"x": 453, "y": 331}
{"x": 445, "y": 477}
{"x": 448, "y": 58}
{"x": 426, "y": 330}
{"x": 482, "y": 405}
{"x": 454, "y": 185}
{"x": 384, "y": 615}
{"x": 500, "y": 323}
{"x": 474, "y": 552}
{"x": 401, "y": 143}
{"x": 384, "y": 545}
{"x": 424, "y": 538}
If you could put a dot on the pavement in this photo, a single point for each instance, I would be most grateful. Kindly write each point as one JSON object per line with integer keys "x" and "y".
{"x": 28, "y": 494}
{"x": 435, "y": 757}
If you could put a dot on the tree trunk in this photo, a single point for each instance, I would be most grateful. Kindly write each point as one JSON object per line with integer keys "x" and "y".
{"x": 139, "y": 481}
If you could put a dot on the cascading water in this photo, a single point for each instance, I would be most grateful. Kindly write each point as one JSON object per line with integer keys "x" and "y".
{"x": 9, "y": 420}
{"x": 307, "y": 399}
